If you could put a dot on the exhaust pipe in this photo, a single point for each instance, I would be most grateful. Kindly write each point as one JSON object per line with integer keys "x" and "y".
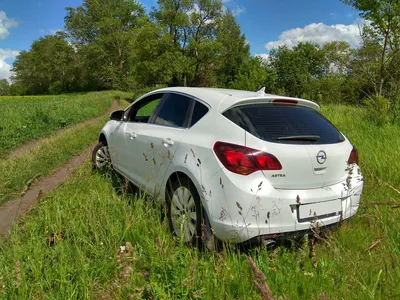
{"x": 268, "y": 243}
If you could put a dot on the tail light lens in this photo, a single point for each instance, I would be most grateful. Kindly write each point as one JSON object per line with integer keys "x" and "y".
{"x": 243, "y": 160}
{"x": 285, "y": 101}
{"x": 353, "y": 158}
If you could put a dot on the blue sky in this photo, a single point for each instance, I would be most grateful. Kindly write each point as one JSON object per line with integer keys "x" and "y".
{"x": 266, "y": 23}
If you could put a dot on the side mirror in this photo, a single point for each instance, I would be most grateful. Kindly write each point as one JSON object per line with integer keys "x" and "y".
{"x": 117, "y": 115}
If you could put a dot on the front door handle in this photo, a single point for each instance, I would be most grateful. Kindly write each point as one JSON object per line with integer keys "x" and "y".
{"x": 132, "y": 135}
{"x": 167, "y": 142}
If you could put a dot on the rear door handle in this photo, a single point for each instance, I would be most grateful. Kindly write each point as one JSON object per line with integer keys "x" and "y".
{"x": 167, "y": 142}
{"x": 132, "y": 135}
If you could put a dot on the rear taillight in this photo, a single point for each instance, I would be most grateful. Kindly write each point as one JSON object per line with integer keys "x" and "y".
{"x": 353, "y": 158}
{"x": 243, "y": 160}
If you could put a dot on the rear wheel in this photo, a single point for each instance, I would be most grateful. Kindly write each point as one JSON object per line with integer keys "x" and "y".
{"x": 101, "y": 159}
{"x": 184, "y": 211}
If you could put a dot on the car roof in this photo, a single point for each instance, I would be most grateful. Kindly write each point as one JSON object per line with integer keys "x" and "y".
{"x": 222, "y": 99}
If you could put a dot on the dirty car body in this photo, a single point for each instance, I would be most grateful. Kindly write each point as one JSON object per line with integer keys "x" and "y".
{"x": 263, "y": 166}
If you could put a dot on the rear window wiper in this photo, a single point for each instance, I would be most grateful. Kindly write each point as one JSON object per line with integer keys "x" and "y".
{"x": 311, "y": 138}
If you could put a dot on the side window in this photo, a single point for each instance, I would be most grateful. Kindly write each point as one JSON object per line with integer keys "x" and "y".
{"x": 174, "y": 111}
{"x": 199, "y": 111}
{"x": 143, "y": 110}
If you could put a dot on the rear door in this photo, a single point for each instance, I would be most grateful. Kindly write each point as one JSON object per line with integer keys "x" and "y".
{"x": 313, "y": 153}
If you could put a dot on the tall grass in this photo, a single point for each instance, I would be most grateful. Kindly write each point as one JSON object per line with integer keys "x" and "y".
{"x": 29, "y": 117}
{"x": 90, "y": 222}
{"x": 70, "y": 245}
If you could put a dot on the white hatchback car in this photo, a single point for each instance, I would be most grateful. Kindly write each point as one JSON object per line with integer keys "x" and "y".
{"x": 246, "y": 165}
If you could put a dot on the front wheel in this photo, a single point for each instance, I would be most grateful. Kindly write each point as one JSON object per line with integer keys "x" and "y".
{"x": 101, "y": 159}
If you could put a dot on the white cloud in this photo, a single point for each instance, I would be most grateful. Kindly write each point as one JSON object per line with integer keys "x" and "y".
{"x": 238, "y": 10}
{"x": 225, "y": 1}
{"x": 4, "y": 66}
{"x": 318, "y": 33}
{"x": 6, "y": 23}
{"x": 264, "y": 56}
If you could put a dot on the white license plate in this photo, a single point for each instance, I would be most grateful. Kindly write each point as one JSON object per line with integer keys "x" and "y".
{"x": 312, "y": 210}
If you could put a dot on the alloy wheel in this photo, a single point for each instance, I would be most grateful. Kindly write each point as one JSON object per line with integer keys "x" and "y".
{"x": 183, "y": 214}
{"x": 102, "y": 157}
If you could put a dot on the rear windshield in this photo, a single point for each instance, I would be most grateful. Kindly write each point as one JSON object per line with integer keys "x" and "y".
{"x": 285, "y": 124}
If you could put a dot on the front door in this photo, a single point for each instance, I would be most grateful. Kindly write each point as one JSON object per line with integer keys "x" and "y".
{"x": 127, "y": 144}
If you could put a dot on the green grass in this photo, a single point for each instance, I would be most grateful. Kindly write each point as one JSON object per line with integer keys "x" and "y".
{"x": 30, "y": 117}
{"x": 93, "y": 221}
{"x": 50, "y": 153}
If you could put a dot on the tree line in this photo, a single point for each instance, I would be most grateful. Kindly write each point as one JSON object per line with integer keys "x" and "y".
{"x": 115, "y": 44}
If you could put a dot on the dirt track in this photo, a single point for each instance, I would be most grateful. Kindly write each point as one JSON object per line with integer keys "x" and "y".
{"x": 14, "y": 209}
{"x": 32, "y": 144}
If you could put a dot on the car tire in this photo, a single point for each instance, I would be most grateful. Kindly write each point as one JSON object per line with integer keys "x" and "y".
{"x": 101, "y": 160}
{"x": 184, "y": 211}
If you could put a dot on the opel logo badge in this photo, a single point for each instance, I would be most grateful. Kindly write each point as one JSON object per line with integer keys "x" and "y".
{"x": 321, "y": 157}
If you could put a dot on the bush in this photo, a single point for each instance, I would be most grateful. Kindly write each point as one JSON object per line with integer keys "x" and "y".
{"x": 378, "y": 109}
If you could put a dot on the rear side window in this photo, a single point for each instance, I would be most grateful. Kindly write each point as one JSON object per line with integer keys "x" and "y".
{"x": 174, "y": 111}
{"x": 199, "y": 111}
{"x": 285, "y": 124}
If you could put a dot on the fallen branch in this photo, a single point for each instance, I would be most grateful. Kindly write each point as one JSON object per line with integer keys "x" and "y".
{"x": 374, "y": 244}
{"x": 393, "y": 188}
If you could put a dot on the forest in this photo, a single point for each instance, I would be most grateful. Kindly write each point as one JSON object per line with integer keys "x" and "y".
{"x": 117, "y": 45}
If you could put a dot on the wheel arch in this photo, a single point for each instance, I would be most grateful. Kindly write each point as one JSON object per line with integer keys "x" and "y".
{"x": 102, "y": 137}
{"x": 179, "y": 173}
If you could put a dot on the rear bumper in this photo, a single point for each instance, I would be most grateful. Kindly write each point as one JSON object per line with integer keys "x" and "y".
{"x": 242, "y": 211}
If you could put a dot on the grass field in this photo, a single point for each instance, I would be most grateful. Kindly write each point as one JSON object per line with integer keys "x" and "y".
{"x": 16, "y": 173}
{"x": 68, "y": 247}
{"x": 30, "y": 117}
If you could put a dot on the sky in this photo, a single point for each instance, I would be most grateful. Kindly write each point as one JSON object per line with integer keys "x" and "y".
{"x": 267, "y": 24}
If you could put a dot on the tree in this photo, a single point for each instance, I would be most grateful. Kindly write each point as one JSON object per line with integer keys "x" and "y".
{"x": 172, "y": 18}
{"x": 153, "y": 62}
{"x": 337, "y": 57}
{"x": 4, "y": 87}
{"x": 384, "y": 28}
{"x": 189, "y": 28}
{"x": 234, "y": 50}
{"x": 113, "y": 44}
{"x": 102, "y": 31}
{"x": 46, "y": 67}
{"x": 251, "y": 75}
{"x": 203, "y": 46}
{"x": 297, "y": 69}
